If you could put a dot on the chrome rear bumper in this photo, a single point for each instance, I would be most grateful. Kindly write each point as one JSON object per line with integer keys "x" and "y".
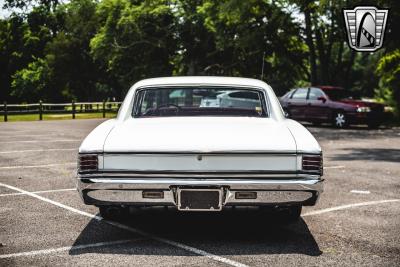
{"x": 129, "y": 191}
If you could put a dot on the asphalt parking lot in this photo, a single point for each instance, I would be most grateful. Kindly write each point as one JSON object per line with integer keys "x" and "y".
{"x": 43, "y": 221}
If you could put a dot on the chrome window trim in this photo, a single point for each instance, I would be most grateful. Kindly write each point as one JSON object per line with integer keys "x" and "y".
{"x": 266, "y": 101}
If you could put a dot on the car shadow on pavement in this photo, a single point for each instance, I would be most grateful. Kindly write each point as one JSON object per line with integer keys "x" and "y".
{"x": 349, "y": 127}
{"x": 223, "y": 233}
{"x": 375, "y": 154}
{"x": 333, "y": 134}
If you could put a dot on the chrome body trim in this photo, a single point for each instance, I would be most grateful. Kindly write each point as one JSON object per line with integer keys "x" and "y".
{"x": 270, "y": 197}
{"x": 128, "y": 196}
{"x": 218, "y": 153}
{"x": 195, "y": 153}
{"x": 210, "y": 175}
{"x": 111, "y": 191}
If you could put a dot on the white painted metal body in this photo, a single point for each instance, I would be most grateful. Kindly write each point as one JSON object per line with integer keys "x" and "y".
{"x": 201, "y": 134}
{"x": 230, "y": 152}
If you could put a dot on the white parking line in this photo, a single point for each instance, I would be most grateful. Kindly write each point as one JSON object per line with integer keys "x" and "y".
{"x": 41, "y": 141}
{"x": 38, "y": 192}
{"x": 77, "y": 247}
{"x": 37, "y": 150}
{"x": 131, "y": 229}
{"x": 36, "y": 166}
{"x": 335, "y": 167}
{"x": 316, "y": 212}
{"x": 360, "y": 191}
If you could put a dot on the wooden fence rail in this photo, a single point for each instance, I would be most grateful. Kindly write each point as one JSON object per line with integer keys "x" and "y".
{"x": 72, "y": 108}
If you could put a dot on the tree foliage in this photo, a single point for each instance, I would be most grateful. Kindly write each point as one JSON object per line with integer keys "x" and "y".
{"x": 251, "y": 34}
{"x": 29, "y": 84}
{"x": 90, "y": 50}
{"x": 389, "y": 71}
{"x": 134, "y": 41}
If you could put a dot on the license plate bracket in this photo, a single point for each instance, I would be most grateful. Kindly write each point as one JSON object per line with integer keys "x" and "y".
{"x": 199, "y": 199}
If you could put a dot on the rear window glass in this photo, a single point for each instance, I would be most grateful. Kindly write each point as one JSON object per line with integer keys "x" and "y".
{"x": 199, "y": 101}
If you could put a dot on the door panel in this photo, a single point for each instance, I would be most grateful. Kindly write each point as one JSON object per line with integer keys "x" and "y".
{"x": 297, "y": 104}
{"x": 317, "y": 109}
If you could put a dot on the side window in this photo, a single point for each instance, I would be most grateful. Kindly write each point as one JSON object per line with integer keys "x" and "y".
{"x": 300, "y": 93}
{"x": 315, "y": 93}
{"x": 148, "y": 100}
{"x": 288, "y": 94}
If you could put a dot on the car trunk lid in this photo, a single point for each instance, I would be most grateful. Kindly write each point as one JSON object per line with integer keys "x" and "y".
{"x": 200, "y": 144}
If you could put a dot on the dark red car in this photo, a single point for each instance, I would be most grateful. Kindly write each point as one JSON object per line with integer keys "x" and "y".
{"x": 331, "y": 104}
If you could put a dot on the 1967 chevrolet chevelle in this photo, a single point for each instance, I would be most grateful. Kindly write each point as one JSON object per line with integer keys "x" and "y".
{"x": 200, "y": 144}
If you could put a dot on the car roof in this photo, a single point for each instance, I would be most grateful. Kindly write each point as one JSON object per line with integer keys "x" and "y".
{"x": 201, "y": 80}
{"x": 243, "y": 83}
{"x": 329, "y": 87}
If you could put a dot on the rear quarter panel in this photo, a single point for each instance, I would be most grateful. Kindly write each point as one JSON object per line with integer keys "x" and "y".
{"x": 305, "y": 141}
{"x": 94, "y": 142}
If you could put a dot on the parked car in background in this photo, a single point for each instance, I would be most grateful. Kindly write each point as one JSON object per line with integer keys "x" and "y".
{"x": 241, "y": 99}
{"x": 238, "y": 99}
{"x": 331, "y": 104}
{"x": 167, "y": 147}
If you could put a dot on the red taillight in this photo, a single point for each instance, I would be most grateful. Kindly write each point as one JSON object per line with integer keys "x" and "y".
{"x": 312, "y": 163}
{"x": 87, "y": 162}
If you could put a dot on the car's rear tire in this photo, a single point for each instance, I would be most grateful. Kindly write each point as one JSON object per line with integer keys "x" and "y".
{"x": 373, "y": 125}
{"x": 286, "y": 113}
{"x": 291, "y": 214}
{"x": 340, "y": 119}
{"x": 113, "y": 212}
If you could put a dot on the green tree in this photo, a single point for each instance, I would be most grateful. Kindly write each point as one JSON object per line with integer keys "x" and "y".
{"x": 136, "y": 40}
{"x": 389, "y": 85}
{"x": 75, "y": 73}
{"x": 250, "y": 34}
{"x": 23, "y": 40}
{"x": 25, "y": 4}
{"x": 197, "y": 53}
{"x": 29, "y": 84}
{"x": 12, "y": 57}
{"x": 91, "y": 50}
{"x": 330, "y": 59}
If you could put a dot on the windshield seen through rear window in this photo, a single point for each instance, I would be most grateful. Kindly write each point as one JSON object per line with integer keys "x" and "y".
{"x": 199, "y": 101}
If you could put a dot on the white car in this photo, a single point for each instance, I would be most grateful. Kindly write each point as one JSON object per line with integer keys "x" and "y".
{"x": 245, "y": 99}
{"x": 241, "y": 99}
{"x": 213, "y": 102}
{"x": 167, "y": 149}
